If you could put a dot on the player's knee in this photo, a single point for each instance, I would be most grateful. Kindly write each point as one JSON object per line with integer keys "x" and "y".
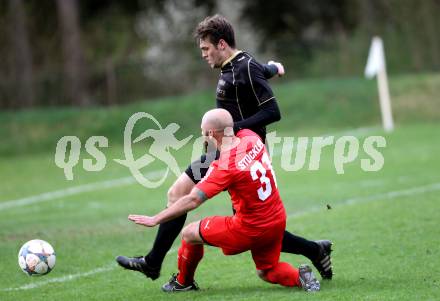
{"x": 179, "y": 189}
{"x": 189, "y": 233}
{"x": 173, "y": 194}
{"x": 186, "y": 233}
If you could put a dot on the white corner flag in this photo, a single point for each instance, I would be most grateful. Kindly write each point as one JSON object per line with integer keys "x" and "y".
{"x": 376, "y": 67}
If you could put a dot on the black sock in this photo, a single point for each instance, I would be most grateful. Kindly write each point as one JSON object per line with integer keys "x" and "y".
{"x": 165, "y": 237}
{"x": 299, "y": 245}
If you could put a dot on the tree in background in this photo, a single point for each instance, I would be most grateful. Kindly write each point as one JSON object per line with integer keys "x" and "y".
{"x": 75, "y": 75}
{"x": 409, "y": 29}
{"x": 21, "y": 65}
{"x": 293, "y": 29}
{"x": 137, "y": 50}
{"x": 172, "y": 55}
{"x": 168, "y": 29}
{"x": 332, "y": 37}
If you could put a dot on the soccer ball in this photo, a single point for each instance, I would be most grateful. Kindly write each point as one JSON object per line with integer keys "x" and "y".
{"x": 36, "y": 257}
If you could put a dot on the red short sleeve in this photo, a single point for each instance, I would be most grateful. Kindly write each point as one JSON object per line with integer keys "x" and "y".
{"x": 215, "y": 181}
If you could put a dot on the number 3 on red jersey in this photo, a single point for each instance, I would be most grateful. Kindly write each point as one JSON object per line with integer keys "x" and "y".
{"x": 263, "y": 192}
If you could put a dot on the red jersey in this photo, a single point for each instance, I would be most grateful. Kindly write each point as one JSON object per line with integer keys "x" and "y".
{"x": 246, "y": 172}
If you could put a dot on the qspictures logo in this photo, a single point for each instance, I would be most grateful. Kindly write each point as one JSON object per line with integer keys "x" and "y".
{"x": 293, "y": 152}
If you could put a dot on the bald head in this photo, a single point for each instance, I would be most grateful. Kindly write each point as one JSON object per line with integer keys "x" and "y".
{"x": 218, "y": 130}
{"x": 217, "y": 119}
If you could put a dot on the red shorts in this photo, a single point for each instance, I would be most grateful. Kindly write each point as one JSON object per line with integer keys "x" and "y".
{"x": 226, "y": 233}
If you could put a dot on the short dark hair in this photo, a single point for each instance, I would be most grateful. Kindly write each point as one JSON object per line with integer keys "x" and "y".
{"x": 215, "y": 28}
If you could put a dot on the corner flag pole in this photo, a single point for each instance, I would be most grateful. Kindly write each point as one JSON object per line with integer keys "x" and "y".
{"x": 376, "y": 67}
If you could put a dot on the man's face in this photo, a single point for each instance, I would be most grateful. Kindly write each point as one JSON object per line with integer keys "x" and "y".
{"x": 211, "y": 53}
{"x": 209, "y": 143}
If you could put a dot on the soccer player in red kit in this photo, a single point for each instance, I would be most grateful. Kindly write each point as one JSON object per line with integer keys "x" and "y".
{"x": 242, "y": 90}
{"x": 258, "y": 225}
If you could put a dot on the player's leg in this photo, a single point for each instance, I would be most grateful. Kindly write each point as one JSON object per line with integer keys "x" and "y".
{"x": 213, "y": 230}
{"x": 168, "y": 231}
{"x": 317, "y": 251}
{"x": 150, "y": 265}
{"x": 189, "y": 255}
{"x": 282, "y": 273}
{"x": 286, "y": 275}
{"x": 266, "y": 254}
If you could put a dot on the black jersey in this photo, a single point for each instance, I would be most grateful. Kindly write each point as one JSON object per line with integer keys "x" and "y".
{"x": 243, "y": 88}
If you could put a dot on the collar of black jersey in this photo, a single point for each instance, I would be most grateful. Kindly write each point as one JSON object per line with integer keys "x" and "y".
{"x": 231, "y": 57}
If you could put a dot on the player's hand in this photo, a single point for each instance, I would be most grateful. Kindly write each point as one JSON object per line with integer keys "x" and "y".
{"x": 279, "y": 66}
{"x": 147, "y": 221}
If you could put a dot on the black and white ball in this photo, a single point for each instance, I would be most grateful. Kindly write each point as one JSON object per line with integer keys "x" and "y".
{"x": 36, "y": 257}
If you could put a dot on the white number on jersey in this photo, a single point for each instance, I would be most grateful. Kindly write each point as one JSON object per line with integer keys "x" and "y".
{"x": 263, "y": 193}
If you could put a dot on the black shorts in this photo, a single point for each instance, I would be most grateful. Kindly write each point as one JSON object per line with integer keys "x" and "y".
{"x": 198, "y": 169}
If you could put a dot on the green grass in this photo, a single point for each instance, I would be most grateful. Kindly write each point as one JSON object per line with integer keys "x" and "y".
{"x": 306, "y": 106}
{"x": 385, "y": 245}
{"x": 384, "y": 224}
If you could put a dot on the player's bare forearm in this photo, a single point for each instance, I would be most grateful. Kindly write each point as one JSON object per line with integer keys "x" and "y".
{"x": 182, "y": 206}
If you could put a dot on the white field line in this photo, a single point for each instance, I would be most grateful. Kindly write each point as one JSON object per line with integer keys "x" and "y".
{"x": 68, "y": 277}
{"x": 125, "y": 181}
{"x": 373, "y": 197}
{"x": 348, "y": 202}
{"x": 52, "y": 195}
{"x": 61, "y": 279}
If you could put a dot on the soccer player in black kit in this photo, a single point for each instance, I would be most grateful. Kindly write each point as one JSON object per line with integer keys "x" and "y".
{"x": 242, "y": 90}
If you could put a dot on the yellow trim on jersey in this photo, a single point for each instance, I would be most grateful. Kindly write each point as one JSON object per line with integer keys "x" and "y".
{"x": 231, "y": 57}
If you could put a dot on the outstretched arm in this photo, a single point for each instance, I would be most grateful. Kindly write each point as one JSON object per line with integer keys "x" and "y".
{"x": 268, "y": 113}
{"x": 186, "y": 203}
{"x": 273, "y": 68}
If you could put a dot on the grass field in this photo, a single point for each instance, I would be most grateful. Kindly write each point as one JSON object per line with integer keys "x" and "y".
{"x": 307, "y": 106}
{"x": 384, "y": 224}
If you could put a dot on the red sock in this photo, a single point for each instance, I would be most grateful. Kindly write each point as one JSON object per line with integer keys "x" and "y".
{"x": 188, "y": 257}
{"x": 284, "y": 274}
